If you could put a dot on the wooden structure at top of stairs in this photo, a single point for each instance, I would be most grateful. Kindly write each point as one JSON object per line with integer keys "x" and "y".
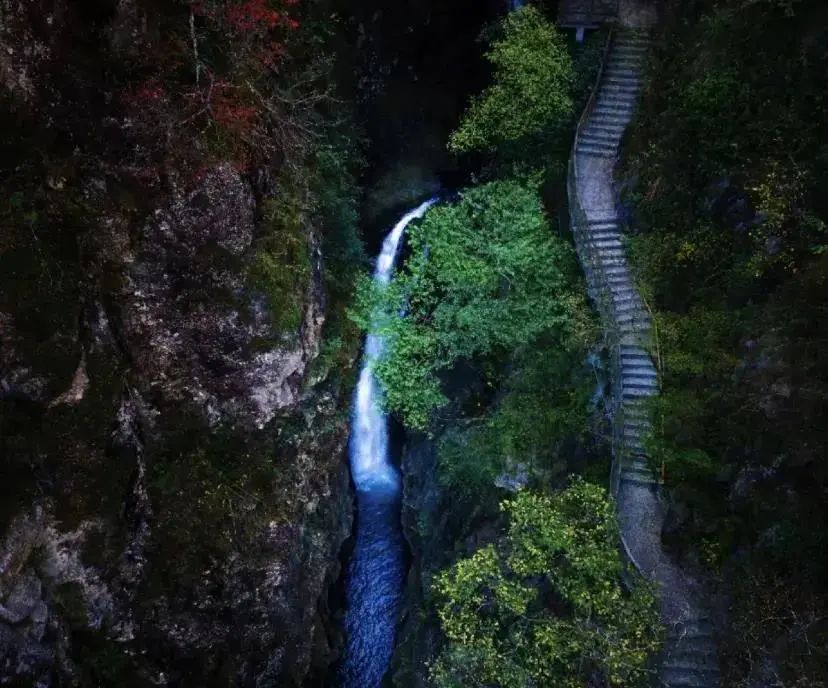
{"x": 586, "y": 14}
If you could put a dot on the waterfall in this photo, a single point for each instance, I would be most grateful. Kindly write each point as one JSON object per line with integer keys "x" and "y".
{"x": 377, "y": 567}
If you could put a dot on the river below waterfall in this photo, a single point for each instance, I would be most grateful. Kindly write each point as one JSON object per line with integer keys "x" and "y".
{"x": 377, "y": 567}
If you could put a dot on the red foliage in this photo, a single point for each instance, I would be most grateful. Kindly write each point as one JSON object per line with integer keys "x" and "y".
{"x": 231, "y": 113}
{"x": 272, "y": 54}
{"x": 149, "y": 94}
{"x": 253, "y": 15}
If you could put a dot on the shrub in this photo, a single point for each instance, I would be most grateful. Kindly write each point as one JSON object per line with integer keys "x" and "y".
{"x": 531, "y": 93}
{"x": 546, "y": 604}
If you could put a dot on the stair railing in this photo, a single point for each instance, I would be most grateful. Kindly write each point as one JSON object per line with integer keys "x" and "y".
{"x": 597, "y": 284}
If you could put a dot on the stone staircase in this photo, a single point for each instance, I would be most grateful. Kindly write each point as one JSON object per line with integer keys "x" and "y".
{"x": 614, "y": 107}
{"x": 689, "y": 658}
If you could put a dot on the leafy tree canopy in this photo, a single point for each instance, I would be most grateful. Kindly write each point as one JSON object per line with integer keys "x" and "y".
{"x": 486, "y": 276}
{"x": 531, "y": 93}
{"x": 546, "y": 605}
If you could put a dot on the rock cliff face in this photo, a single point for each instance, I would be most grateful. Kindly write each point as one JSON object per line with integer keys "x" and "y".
{"x": 175, "y": 488}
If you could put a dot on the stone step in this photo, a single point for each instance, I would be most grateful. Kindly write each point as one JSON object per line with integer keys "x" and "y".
{"x": 629, "y": 59}
{"x": 679, "y": 679}
{"x": 631, "y": 379}
{"x": 628, "y": 305}
{"x": 606, "y": 240}
{"x": 638, "y": 462}
{"x": 633, "y": 411}
{"x": 595, "y": 152}
{"x": 609, "y": 99}
{"x": 703, "y": 651}
{"x": 634, "y": 328}
{"x": 612, "y": 71}
{"x": 602, "y": 217}
{"x": 609, "y": 117}
{"x": 637, "y": 423}
{"x": 649, "y": 374}
{"x": 616, "y": 129}
{"x": 639, "y": 368}
{"x": 637, "y": 455}
{"x": 600, "y": 134}
{"x": 633, "y": 352}
{"x": 621, "y": 46}
{"x": 623, "y": 111}
{"x": 626, "y": 314}
{"x": 602, "y": 221}
{"x": 689, "y": 665}
{"x": 639, "y": 477}
{"x": 608, "y": 120}
{"x": 628, "y": 78}
{"x": 621, "y": 90}
{"x": 604, "y": 237}
{"x": 645, "y": 474}
{"x": 634, "y": 63}
{"x": 636, "y": 435}
{"x": 613, "y": 102}
{"x": 692, "y": 628}
{"x": 625, "y": 298}
{"x": 636, "y": 392}
{"x": 641, "y": 482}
{"x": 641, "y": 414}
{"x": 594, "y": 140}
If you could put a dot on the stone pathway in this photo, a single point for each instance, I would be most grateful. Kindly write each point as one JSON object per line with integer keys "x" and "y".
{"x": 690, "y": 658}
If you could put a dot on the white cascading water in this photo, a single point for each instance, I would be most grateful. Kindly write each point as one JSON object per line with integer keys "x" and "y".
{"x": 377, "y": 566}
{"x": 369, "y": 432}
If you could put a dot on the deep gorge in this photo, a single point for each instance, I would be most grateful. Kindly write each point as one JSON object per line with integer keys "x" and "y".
{"x": 569, "y": 433}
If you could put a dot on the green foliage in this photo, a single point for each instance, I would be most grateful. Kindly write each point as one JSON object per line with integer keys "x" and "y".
{"x": 531, "y": 93}
{"x": 546, "y": 605}
{"x": 728, "y": 159}
{"x": 281, "y": 265}
{"x": 486, "y": 276}
{"x": 543, "y": 402}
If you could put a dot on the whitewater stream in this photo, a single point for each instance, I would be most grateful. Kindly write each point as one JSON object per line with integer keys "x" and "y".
{"x": 377, "y": 568}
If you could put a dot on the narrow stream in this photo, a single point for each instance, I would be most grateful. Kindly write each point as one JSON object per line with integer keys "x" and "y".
{"x": 377, "y": 567}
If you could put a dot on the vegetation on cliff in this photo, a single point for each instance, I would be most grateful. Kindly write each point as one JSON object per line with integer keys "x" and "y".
{"x": 182, "y": 198}
{"x": 530, "y": 99}
{"x": 486, "y": 279}
{"x": 725, "y": 178}
{"x": 550, "y": 603}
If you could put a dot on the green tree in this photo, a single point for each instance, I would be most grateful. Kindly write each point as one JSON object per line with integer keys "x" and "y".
{"x": 550, "y": 604}
{"x": 486, "y": 276}
{"x": 531, "y": 93}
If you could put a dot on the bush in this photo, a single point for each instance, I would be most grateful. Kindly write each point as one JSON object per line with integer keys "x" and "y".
{"x": 546, "y": 605}
{"x": 531, "y": 94}
{"x": 486, "y": 276}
